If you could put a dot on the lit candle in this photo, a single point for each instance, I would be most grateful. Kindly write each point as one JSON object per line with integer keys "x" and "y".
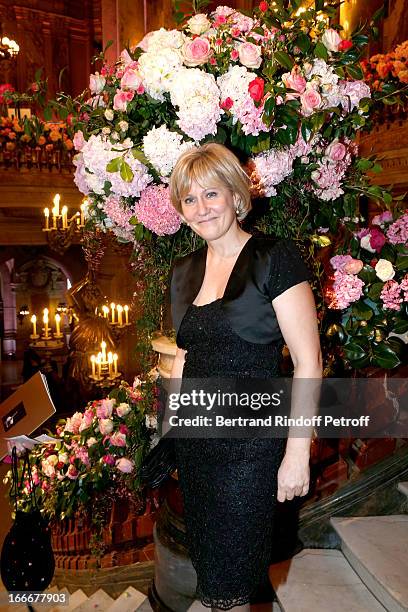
{"x": 47, "y": 218}
{"x": 54, "y": 218}
{"x": 103, "y": 347}
{"x": 115, "y": 363}
{"x": 34, "y": 322}
{"x": 45, "y": 321}
{"x": 126, "y": 309}
{"x": 98, "y": 361}
{"x": 64, "y": 213}
{"x": 113, "y": 306}
{"x": 93, "y": 360}
{"x": 110, "y": 361}
{"x": 56, "y": 202}
{"x": 105, "y": 311}
{"x": 83, "y": 209}
{"x": 77, "y": 220}
{"x": 120, "y": 310}
{"x": 57, "y": 325}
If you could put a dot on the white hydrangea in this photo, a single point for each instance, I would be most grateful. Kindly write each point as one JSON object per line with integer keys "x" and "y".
{"x": 162, "y": 147}
{"x": 197, "y": 97}
{"x": 157, "y": 69}
{"x": 234, "y": 84}
{"x": 163, "y": 39}
{"x": 324, "y": 73}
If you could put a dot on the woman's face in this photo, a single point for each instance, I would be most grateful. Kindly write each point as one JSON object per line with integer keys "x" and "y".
{"x": 209, "y": 210}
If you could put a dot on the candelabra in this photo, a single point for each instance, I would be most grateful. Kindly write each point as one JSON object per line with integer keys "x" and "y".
{"x": 48, "y": 338}
{"x": 115, "y": 314}
{"x": 104, "y": 366}
{"x": 61, "y": 229}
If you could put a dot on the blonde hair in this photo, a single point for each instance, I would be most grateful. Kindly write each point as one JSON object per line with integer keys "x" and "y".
{"x": 210, "y": 165}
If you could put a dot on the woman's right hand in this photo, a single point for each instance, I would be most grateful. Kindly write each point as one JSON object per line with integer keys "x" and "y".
{"x": 293, "y": 477}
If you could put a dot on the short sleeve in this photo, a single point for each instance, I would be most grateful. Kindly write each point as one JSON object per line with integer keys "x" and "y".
{"x": 287, "y": 268}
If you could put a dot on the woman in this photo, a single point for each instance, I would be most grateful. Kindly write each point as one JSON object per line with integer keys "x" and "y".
{"x": 235, "y": 302}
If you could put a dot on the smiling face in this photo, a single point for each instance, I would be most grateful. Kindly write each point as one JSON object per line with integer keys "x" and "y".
{"x": 209, "y": 210}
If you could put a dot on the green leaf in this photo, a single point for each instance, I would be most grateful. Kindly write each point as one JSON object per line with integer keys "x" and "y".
{"x": 319, "y": 5}
{"x": 354, "y": 351}
{"x": 378, "y": 14}
{"x": 375, "y": 290}
{"x": 303, "y": 42}
{"x": 355, "y": 72}
{"x": 400, "y": 327}
{"x": 115, "y": 164}
{"x": 284, "y": 59}
{"x": 361, "y": 311}
{"x": 321, "y": 51}
{"x": 126, "y": 172}
{"x": 401, "y": 262}
{"x": 384, "y": 356}
{"x": 47, "y": 113}
{"x": 140, "y": 156}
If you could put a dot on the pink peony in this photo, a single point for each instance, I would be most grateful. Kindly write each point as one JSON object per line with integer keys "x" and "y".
{"x": 87, "y": 419}
{"x": 105, "y": 408}
{"x": 121, "y": 99}
{"x": 336, "y": 151}
{"x": 73, "y": 424}
{"x": 156, "y": 212}
{"x": 249, "y": 55}
{"x": 118, "y": 439}
{"x": 196, "y": 51}
{"x": 310, "y": 99}
{"x": 125, "y": 465}
{"x": 377, "y": 239}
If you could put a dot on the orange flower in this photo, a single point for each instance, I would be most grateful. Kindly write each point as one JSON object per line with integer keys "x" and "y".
{"x": 41, "y": 140}
{"x": 10, "y": 146}
{"x": 12, "y": 135}
{"x": 69, "y": 144}
{"x": 54, "y": 136}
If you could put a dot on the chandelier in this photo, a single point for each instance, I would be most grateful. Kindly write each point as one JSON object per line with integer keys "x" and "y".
{"x": 61, "y": 230}
{"x": 8, "y": 47}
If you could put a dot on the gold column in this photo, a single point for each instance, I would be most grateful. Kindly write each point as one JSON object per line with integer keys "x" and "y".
{"x": 353, "y": 12}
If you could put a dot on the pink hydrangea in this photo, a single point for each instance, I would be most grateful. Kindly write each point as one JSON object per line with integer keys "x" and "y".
{"x": 250, "y": 116}
{"x": 397, "y": 233}
{"x": 391, "y": 295}
{"x": 272, "y": 167}
{"x": 352, "y": 92}
{"x": 404, "y": 287}
{"x": 347, "y": 288}
{"x": 382, "y": 218}
{"x": 156, "y": 212}
{"x": 80, "y": 176}
{"x": 81, "y": 453}
{"x": 339, "y": 261}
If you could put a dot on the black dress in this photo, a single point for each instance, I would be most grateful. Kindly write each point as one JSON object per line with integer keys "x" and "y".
{"x": 229, "y": 486}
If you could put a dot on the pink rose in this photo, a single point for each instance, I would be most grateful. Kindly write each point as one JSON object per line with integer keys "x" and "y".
{"x": 108, "y": 459}
{"x": 353, "y": 267}
{"x": 294, "y": 80}
{"x": 124, "y": 465}
{"x": 131, "y": 80}
{"x": 125, "y": 57}
{"x": 72, "y": 472}
{"x": 121, "y": 99}
{"x": 87, "y": 419}
{"x": 96, "y": 83}
{"x": 384, "y": 217}
{"x": 105, "y": 408}
{"x": 335, "y": 151}
{"x": 234, "y": 55}
{"x": 249, "y": 55}
{"x": 118, "y": 439}
{"x": 105, "y": 426}
{"x": 196, "y": 52}
{"x": 78, "y": 140}
{"x": 310, "y": 100}
{"x": 377, "y": 239}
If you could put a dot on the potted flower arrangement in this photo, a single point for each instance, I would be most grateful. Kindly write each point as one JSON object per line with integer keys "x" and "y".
{"x": 90, "y": 467}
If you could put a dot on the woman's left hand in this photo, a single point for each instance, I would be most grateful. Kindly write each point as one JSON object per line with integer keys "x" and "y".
{"x": 293, "y": 477}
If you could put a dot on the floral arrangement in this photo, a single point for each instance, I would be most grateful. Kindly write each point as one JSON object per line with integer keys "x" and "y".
{"x": 24, "y": 136}
{"x": 280, "y": 87}
{"x": 96, "y": 454}
{"x": 370, "y": 286}
{"x": 387, "y": 66}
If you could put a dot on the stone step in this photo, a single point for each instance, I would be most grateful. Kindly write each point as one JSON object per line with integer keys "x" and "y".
{"x": 403, "y": 487}
{"x": 318, "y": 580}
{"x": 99, "y": 601}
{"x": 130, "y": 600}
{"x": 75, "y": 599}
{"x": 377, "y": 549}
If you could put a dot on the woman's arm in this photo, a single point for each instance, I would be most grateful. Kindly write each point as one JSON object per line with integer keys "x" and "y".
{"x": 174, "y": 383}
{"x": 297, "y": 318}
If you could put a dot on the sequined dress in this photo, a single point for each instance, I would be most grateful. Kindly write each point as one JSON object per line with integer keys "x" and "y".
{"x": 228, "y": 485}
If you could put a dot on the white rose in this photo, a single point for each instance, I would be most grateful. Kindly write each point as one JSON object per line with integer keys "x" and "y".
{"x": 198, "y": 24}
{"x": 384, "y": 270}
{"x": 365, "y": 244}
{"x": 249, "y": 55}
{"x": 331, "y": 39}
{"x": 122, "y": 410}
{"x": 106, "y": 130}
{"x": 91, "y": 441}
{"x": 123, "y": 125}
{"x": 96, "y": 83}
{"x": 109, "y": 114}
